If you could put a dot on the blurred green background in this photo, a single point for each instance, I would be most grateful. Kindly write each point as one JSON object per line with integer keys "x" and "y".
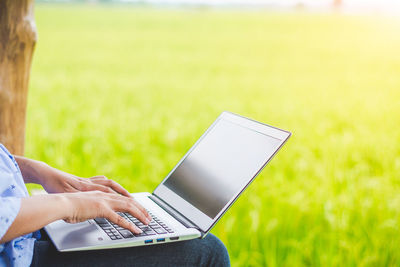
{"x": 125, "y": 92}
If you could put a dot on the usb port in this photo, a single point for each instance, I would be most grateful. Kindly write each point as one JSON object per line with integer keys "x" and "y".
{"x": 174, "y": 238}
{"x": 148, "y": 241}
{"x": 160, "y": 239}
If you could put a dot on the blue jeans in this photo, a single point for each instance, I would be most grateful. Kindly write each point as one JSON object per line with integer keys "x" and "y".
{"x": 209, "y": 251}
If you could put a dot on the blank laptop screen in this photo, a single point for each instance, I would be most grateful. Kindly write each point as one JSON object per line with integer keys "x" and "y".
{"x": 221, "y": 165}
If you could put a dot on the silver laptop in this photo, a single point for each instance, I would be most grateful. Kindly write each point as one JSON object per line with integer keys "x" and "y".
{"x": 193, "y": 196}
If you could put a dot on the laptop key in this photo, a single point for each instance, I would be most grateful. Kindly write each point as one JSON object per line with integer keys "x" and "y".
{"x": 126, "y": 233}
{"x": 101, "y": 220}
{"x": 142, "y": 234}
{"x": 160, "y": 231}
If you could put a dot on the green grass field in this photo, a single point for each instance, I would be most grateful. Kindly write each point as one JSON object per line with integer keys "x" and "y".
{"x": 125, "y": 92}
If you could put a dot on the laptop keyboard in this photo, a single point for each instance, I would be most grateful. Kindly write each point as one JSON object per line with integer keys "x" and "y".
{"x": 114, "y": 231}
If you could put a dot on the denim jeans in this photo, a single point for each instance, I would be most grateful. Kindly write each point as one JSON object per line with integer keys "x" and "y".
{"x": 209, "y": 251}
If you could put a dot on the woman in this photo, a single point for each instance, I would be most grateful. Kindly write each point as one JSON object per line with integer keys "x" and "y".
{"x": 76, "y": 199}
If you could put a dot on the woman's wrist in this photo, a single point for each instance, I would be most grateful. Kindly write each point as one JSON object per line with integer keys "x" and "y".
{"x": 67, "y": 205}
{"x": 33, "y": 171}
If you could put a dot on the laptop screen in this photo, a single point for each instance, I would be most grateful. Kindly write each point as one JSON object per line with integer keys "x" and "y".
{"x": 220, "y": 165}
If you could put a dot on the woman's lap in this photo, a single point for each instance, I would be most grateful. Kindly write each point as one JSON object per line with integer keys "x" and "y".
{"x": 209, "y": 251}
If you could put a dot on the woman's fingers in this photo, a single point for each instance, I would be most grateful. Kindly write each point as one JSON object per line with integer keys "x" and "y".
{"x": 135, "y": 209}
{"x": 93, "y": 204}
{"x": 98, "y": 177}
{"x": 88, "y": 186}
{"x": 129, "y": 205}
{"x": 99, "y": 183}
{"x": 112, "y": 216}
{"x": 142, "y": 209}
{"x": 111, "y": 184}
{"x": 93, "y": 183}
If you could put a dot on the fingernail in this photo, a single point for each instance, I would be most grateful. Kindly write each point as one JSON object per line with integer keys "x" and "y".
{"x": 139, "y": 230}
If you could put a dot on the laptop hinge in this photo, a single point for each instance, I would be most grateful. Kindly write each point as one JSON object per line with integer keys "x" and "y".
{"x": 179, "y": 217}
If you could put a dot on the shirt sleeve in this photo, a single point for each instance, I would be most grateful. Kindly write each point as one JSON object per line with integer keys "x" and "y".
{"x": 9, "y": 208}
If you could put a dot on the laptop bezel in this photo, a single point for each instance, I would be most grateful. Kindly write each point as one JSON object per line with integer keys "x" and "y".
{"x": 201, "y": 220}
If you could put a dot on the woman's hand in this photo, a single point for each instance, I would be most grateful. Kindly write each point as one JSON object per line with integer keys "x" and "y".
{"x": 94, "y": 204}
{"x": 41, "y": 210}
{"x": 61, "y": 182}
{"x": 87, "y": 198}
{"x": 56, "y": 181}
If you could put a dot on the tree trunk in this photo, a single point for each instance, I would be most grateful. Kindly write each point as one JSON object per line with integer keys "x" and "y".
{"x": 17, "y": 42}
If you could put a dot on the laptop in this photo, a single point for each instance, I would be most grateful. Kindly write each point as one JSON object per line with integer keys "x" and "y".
{"x": 193, "y": 196}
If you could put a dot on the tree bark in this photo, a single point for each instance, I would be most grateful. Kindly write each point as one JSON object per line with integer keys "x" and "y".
{"x": 17, "y": 41}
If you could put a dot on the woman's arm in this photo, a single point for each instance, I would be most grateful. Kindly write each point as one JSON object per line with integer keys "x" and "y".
{"x": 56, "y": 181}
{"x": 37, "y": 211}
{"x": 31, "y": 169}
{"x": 73, "y": 199}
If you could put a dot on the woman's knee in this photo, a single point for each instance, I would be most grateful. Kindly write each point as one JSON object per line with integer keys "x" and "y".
{"x": 217, "y": 254}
